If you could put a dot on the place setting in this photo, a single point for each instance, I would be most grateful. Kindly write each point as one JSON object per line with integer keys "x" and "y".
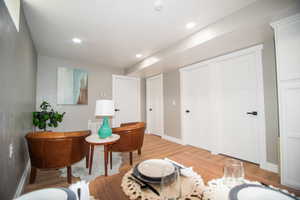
{"x": 162, "y": 179}
{"x": 234, "y": 186}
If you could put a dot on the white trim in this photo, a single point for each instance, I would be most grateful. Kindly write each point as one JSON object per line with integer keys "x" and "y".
{"x": 285, "y": 21}
{"x": 261, "y": 135}
{"x": 23, "y": 180}
{"x": 270, "y": 167}
{"x": 160, "y": 76}
{"x": 114, "y": 77}
{"x": 183, "y": 136}
{"x": 172, "y": 139}
{"x": 261, "y": 108}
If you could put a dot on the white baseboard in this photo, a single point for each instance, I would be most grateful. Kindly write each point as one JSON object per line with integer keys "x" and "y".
{"x": 269, "y": 167}
{"x": 23, "y": 180}
{"x": 172, "y": 139}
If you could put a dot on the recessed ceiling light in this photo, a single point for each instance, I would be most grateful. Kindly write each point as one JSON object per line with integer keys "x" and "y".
{"x": 138, "y": 55}
{"x": 77, "y": 40}
{"x": 190, "y": 25}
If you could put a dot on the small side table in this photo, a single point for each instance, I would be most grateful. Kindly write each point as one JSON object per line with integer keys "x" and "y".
{"x": 93, "y": 140}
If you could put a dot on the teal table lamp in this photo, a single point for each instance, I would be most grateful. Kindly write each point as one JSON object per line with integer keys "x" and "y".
{"x": 105, "y": 109}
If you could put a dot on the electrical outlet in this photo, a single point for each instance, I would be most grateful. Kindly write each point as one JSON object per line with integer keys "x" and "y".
{"x": 102, "y": 94}
{"x": 11, "y": 151}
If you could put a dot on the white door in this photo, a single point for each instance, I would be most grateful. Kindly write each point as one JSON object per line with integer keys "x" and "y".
{"x": 197, "y": 106}
{"x": 238, "y": 103}
{"x": 223, "y": 105}
{"x": 126, "y": 95}
{"x": 155, "y": 105}
{"x": 287, "y": 42}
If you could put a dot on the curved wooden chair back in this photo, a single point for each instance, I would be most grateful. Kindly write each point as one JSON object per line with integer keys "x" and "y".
{"x": 131, "y": 137}
{"x": 56, "y": 149}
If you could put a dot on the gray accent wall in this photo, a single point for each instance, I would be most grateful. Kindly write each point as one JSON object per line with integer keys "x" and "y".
{"x": 99, "y": 87}
{"x": 171, "y": 85}
{"x": 143, "y": 100}
{"x": 17, "y": 99}
{"x": 172, "y": 119}
{"x": 271, "y": 100}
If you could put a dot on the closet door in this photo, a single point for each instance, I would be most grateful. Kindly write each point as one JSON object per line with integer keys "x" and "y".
{"x": 197, "y": 105}
{"x": 223, "y": 105}
{"x": 287, "y": 41}
{"x": 239, "y": 110}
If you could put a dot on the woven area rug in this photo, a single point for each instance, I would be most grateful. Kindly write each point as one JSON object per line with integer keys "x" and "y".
{"x": 79, "y": 169}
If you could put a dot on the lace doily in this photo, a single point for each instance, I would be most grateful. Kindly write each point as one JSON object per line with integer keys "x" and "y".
{"x": 192, "y": 188}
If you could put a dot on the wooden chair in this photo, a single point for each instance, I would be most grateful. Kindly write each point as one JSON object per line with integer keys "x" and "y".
{"x": 53, "y": 150}
{"x": 131, "y": 139}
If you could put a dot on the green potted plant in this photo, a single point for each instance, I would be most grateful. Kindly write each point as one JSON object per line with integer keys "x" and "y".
{"x": 47, "y": 117}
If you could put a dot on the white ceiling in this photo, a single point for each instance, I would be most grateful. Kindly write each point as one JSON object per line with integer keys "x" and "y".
{"x": 114, "y": 31}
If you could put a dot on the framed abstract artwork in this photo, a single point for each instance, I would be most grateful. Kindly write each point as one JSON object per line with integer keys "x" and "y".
{"x": 72, "y": 86}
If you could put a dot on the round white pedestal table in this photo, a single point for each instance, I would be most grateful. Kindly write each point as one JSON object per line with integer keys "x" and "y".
{"x": 93, "y": 140}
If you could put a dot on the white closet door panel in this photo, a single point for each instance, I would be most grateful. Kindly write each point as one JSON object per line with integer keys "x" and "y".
{"x": 198, "y": 106}
{"x": 290, "y": 126}
{"x": 287, "y": 42}
{"x": 238, "y": 95}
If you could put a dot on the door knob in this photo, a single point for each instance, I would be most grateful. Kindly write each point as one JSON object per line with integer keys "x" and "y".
{"x": 187, "y": 111}
{"x": 116, "y": 110}
{"x": 150, "y": 109}
{"x": 252, "y": 113}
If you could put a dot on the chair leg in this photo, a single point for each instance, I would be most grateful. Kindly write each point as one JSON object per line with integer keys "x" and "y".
{"x": 139, "y": 151}
{"x": 69, "y": 172}
{"x": 91, "y": 158}
{"x": 110, "y": 159}
{"x": 87, "y": 161}
{"x": 130, "y": 157}
{"x": 32, "y": 175}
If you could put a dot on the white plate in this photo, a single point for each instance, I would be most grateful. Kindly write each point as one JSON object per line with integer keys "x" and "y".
{"x": 47, "y": 194}
{"x": 155, "y": 167}
{"x": 257, "y": 192}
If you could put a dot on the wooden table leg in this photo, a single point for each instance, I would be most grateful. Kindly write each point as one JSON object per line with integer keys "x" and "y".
{"x": 69, "y": 172}
{"x": 105, "y": 158}
{"x": 91, "y": 158}
{"x": 110, "y": 159}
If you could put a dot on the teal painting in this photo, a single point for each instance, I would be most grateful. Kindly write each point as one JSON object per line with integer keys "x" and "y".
{"x": 72, "y": 86}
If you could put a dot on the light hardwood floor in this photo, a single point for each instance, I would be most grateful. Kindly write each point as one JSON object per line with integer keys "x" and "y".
{"x": 208, "y": 165}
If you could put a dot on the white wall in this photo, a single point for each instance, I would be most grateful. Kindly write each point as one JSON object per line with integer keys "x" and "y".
{"x": 99, "y": 87}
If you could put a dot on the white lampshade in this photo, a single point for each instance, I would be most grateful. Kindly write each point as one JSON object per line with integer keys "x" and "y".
{"x": 104, "y": 108}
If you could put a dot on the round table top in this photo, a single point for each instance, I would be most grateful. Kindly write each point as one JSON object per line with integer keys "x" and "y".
{"x": 96, "y": 140}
